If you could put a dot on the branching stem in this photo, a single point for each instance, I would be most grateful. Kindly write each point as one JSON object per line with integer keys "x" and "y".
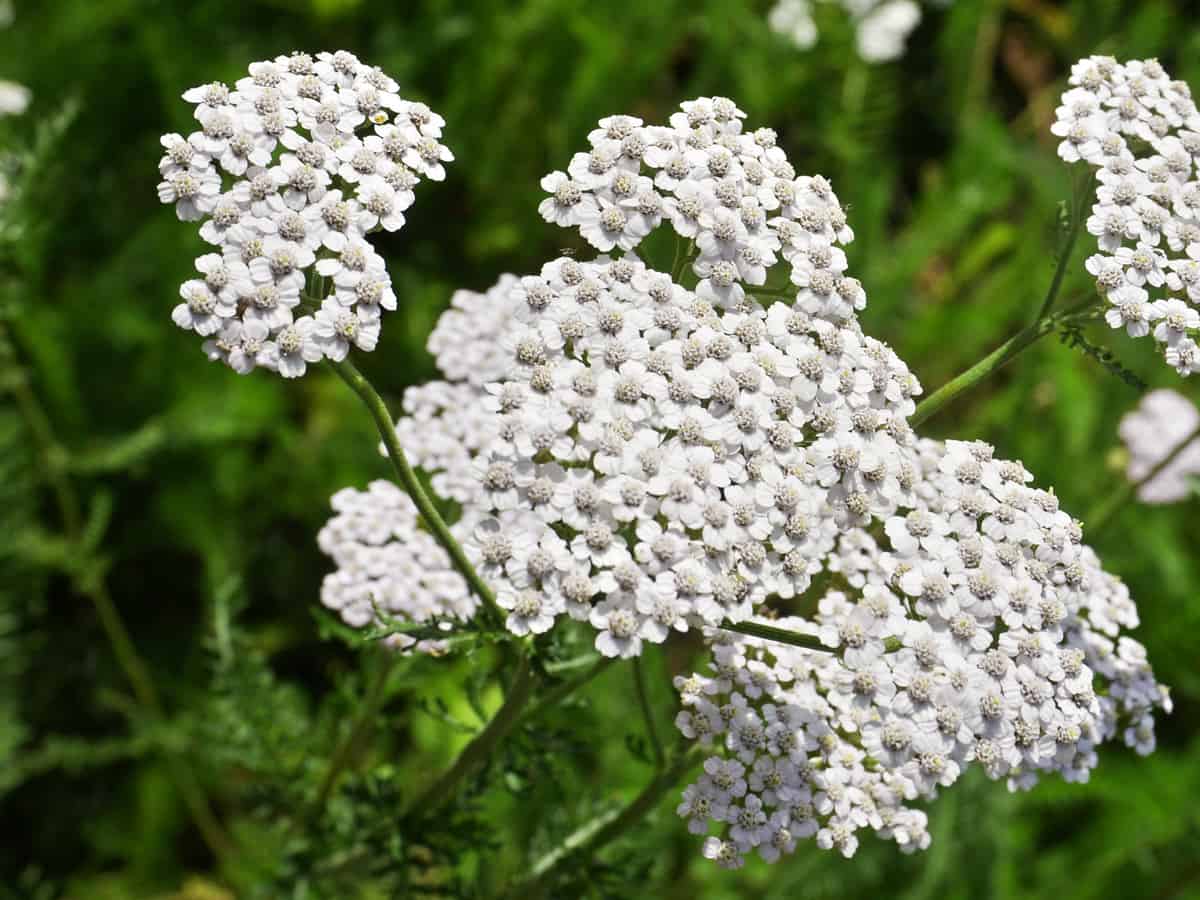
{"x": 348, "y": 748}
{"x": 590, "y": 837}
{"x": 409, "y": 481}
{"x": 476, "y": 753}
{"x": 639, "y": 685}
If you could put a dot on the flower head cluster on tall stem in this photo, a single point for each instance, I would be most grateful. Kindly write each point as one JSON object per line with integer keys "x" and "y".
{"x": 290, "y": 171}
{"x": 648, "y": 457}
{"x": 1140, "y": 131}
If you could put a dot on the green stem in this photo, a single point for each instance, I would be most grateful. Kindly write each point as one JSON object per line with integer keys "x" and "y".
{"x": 589, "y": 838}
{"x": 643, "y": 696}
{"x": 348, "y": 749}
{"x": 960, "y": 384}
{"x": 408, "y": 479}
{"x": 566, "y": 688}
{"x": 1104, "y": 513}
{"x": 779, "y": 635}
{"x": 476, "y": 753}
{"x": 1079, "y": 196}
{"x": 680, "y": 264}
{"x": 678, "y": 255}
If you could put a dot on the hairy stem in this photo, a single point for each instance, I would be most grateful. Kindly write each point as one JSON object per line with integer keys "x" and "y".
{"x": 476, "y": 753}
{"x": 779, "y": 635}
{"x": 1103, "y": 514}
{"x": 409, "y": 481}
{"x": 1080, "y": 194}
{"x": 962, "y": 383}
{"x": 590, "y": 837}
{"x": 639, "y": 685}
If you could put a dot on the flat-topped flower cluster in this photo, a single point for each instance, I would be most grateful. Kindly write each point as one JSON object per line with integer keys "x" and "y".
{"x": 290, "y": 171}
{"x": 661, "y": 464}
{"x": 1140, "y": 131}
{"x": 651, "y": 452}
{"x": 975, "y": 627}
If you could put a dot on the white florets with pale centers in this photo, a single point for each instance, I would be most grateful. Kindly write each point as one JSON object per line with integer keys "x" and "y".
{"x": 290, "y": 171}
{"x": 389, "y": 567}
{"x": 975, "y": 628}
{"x": 648, "y": 458}
{"x": 1163, "y": 420}
{"x": 680, "y": 463}
{"x": 732, "y": 193}
{"x": 1140, "y": 131}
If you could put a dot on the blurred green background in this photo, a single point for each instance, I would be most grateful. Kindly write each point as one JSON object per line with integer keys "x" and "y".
{"x": 200, "y": 492}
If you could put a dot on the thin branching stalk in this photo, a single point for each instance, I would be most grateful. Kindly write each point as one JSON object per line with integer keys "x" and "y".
{"x": 996, "y": 360}
{"x": 990, "y": 364}
{"x": 639, "y": 684}
{"x": 477, "y": 752}
{"x": 1104, "y": 513}
{"x": 566, "y": 688}
{"x": 586, "y": 840}
{"x": 1080, "y": 194}
{"x": 344, "y": 755}
{"x": 409, "y": 481}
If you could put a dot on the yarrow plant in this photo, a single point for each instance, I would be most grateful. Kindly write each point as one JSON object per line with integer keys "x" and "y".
{"x": 713, "y": 445}
{"x": 1140, "y": 131}
{"x": 290, "y": 172}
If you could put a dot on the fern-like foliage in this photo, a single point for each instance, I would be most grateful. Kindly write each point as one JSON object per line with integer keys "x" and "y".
{"x": 1071, "y": 334}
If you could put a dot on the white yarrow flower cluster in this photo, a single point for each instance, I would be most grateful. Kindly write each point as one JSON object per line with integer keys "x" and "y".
{"x": 1140, "y": 131}
{"x": 976, "y": 628}
{"x": 881, "y": 27}
{"x": 732, "y": 193}
{"x": 290, "y": 172}
{"x": 677, "y": 456}
{"x": 650, "y": 458}
{"x": 1162, "y": 421}
{"x": 388, "y": 567}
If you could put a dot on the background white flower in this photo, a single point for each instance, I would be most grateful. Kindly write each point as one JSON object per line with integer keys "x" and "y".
{"x": 1160, "y": 423}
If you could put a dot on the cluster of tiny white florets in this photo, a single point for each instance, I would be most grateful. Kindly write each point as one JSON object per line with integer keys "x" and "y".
{"x": 973, "y": 627}
{"x": 648, "y": 458}
{"x": 661, "y": 464}
{"x": 668, "y": 458}
{"x": 291, "y": 170}
{"x": 1141, "y": 132}
{"x": 732, "y": 194}
{"x": 388, "y": 567}
{"x": 1158, "y": 427}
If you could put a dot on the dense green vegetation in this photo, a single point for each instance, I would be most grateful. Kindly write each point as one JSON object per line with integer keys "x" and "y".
{"x": 134, "y": 472}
